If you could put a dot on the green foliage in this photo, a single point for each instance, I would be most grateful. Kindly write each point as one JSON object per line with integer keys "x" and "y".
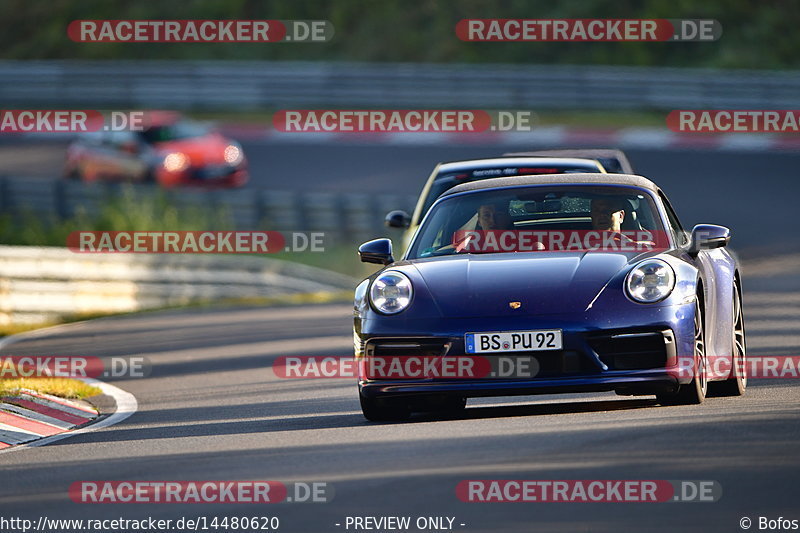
{"x": 755, "y": 34}
{"x": 131, "y": 210}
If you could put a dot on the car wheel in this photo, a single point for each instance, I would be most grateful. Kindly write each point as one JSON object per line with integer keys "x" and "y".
{"x": 736, "y": 384}
{"x": 695, "y": 391}
{"x": 383, "y": 409}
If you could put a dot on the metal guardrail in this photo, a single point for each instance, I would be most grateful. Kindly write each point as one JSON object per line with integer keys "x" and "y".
{"x": 252, "y": 85}
{"x": 347, "y": 217}
{"x": 37, "y": 283}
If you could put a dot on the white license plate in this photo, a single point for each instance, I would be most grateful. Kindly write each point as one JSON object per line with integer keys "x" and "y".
{"x": 514, "y": 341}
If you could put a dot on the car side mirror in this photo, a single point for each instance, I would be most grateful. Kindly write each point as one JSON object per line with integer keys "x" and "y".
{"x": 377, "y": 251}
{"x": 398, "y": 219}
{"x": 708, "y": 237}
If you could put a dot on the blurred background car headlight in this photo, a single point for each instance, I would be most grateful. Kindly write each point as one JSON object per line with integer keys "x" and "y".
{"x": 650, "y": 281}
{"x": 233, "y": 154}
{"x": 391, "y": 292}
{"x": 175, "y": 162}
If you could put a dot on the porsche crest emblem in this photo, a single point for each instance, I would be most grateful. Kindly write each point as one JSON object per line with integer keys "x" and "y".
{"x": 515, "y": 305}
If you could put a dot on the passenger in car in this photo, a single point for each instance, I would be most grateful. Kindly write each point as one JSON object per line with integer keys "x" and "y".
{"x": 489, "y": 217}
{"x": 494, "y": 217}
{"x": 608, "y": 213}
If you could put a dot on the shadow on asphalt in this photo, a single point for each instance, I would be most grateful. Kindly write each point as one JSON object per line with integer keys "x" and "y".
{"x": 540, "y": 409}
{"x": 229, "y": 425}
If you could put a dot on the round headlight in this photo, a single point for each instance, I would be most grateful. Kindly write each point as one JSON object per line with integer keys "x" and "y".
{"x": 390, "y": 292}
{"x": 176, "y": 161}
{"x": 233, "y": 154}
{"x": 650, "y": 281}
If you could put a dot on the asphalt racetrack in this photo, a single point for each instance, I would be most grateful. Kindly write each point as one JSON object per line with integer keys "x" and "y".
{"x": 213, "y": 409}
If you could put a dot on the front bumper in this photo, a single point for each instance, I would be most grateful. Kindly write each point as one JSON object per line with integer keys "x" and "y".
{"x": 219, "y": 176}
{"x": 641, "y": 382}
{"x": 620, "y": 355}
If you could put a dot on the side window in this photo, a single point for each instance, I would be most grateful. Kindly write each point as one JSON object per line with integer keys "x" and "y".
{"x": 680, "y": 233}
{"x": 124, "y": 142}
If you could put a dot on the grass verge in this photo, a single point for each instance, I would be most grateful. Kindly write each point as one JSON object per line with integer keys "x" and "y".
{"x": 13, "y": 329}
{"x": 61, "y": 387}
{"x": 342, "y": 258}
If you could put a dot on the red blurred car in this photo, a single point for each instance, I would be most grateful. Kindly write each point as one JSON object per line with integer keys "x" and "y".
{"x": 170, "y": 151}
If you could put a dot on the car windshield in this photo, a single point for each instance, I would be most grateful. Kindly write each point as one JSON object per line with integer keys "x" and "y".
{"x": 173, "y": 132}
{"x": 534, "y": 209}
{"x": 446, "y": 181}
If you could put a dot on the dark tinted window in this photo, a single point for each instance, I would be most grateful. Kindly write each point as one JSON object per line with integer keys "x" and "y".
{"x": 445, "y": 182}
{"x": 172, "y": 132}
{"x": 538, "y": 207}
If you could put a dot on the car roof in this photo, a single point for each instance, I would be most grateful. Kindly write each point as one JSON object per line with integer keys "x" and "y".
{"x": 455, "y": 166}
{"x": 600, "y": 152}
{"x": 591, "y": 153}
{"x": 548, "y": 179}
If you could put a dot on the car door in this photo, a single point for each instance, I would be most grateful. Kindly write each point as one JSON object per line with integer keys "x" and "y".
{"x": 119, "y": 157}
{"x": 715, "y": 291}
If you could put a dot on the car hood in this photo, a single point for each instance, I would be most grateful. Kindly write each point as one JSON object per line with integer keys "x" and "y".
{"x": 204, "y": 150}
{"x": 543, "y": 283}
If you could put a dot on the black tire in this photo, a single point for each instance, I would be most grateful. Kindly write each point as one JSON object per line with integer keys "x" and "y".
{"x": 736, "y": 384}
{"x": 693, "y": 393}
{"x": 383, "y": 409}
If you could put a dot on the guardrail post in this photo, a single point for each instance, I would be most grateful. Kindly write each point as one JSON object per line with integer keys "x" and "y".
{"x": 59, "y": 198}
{"x": 259, "y": 210}
{"x": 5, "y": 201}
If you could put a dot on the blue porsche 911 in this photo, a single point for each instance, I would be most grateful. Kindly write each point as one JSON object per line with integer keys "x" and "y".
{"x": 549, "y": 284}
